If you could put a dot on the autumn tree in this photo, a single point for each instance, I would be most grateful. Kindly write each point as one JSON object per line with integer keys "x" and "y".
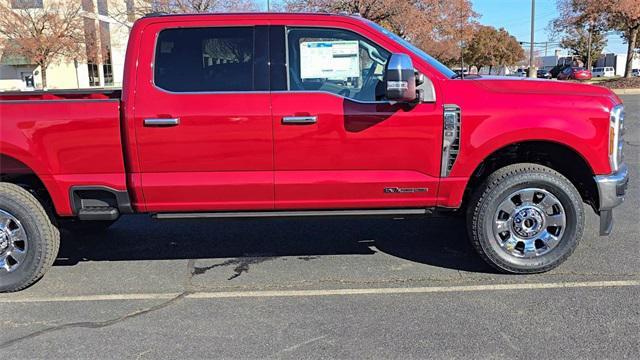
{"x": 624, "y": 15}
{"x": 587, "y": 43}
{"x": 619, "y": 15}
{"x": 45, "y": 35}
{"x": 436, "y": 26}
{"x": 378, "y": 11}
{"x": 126, "y": 12}
{"x": 492, "y": 47}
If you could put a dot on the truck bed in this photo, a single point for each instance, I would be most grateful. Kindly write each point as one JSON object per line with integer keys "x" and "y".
{"x": 66, "y": 137}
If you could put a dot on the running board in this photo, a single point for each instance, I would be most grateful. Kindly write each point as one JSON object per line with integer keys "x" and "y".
{"x": 303, "y": 213}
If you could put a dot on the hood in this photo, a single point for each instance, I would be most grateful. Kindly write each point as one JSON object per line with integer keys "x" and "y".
{"x": 508, "y": 84}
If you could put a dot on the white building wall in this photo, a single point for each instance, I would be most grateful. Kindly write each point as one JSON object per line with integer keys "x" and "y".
{"x": 618, "y": 61}
{"x": 548, "y": 62}
{"x": 119, "y": 40}
{"x": 61, "y": 76}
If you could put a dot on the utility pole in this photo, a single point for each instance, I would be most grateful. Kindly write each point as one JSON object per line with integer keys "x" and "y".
{"x": 588, "y": 64}
{"x": 532, "y": 70}
{"x": 546, "y": 46}
{"x": 268, "y": 5}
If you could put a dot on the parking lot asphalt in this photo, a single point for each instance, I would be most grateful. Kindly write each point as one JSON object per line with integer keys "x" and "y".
{"x": 318, "y": 288}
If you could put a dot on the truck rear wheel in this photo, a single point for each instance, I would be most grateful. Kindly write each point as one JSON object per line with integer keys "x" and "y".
{"x": 525, "y": 218}
{"x": 29, "y": 242}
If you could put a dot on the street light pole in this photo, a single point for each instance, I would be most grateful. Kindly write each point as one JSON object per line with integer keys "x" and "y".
{"x": 532, "y": 72}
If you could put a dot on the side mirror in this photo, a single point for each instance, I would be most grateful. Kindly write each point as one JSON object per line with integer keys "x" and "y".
{"x": 400, "y": 79}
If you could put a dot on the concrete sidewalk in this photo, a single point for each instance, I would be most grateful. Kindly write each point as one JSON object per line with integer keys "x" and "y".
{"x": 626, "y": 91}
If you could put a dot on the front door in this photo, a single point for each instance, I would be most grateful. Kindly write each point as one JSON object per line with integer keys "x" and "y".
{"x": 203, "y": 119}
{"x": 338, "y": 144}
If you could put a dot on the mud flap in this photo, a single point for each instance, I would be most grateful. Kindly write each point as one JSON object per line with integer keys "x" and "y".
{"x": 606, "y": 222}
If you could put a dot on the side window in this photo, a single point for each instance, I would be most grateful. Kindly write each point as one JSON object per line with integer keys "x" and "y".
{"x": 336, "y": 61}
{"x": 205, "y": 59}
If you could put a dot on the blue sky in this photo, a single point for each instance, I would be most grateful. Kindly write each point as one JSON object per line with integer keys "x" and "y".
{"x": 515, "y": 15}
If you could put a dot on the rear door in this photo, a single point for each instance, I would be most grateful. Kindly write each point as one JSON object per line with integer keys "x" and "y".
{"x": 202, "y": 118}
{"x": 338, "y": 143}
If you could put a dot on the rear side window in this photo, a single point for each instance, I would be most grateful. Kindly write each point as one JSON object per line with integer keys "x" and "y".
{"x": 205, "y": 59}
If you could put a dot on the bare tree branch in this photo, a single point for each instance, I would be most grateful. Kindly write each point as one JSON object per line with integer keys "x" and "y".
{"x": 43, "y": 35}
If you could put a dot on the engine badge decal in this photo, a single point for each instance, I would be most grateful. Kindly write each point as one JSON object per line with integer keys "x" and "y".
{"x": 395, "y": 190}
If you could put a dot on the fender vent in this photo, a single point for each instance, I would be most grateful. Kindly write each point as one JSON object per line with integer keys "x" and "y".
{"x": 450, "y": 138}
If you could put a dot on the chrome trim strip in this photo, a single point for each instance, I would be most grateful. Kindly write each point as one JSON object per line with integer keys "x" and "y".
{"x": 304, "y": 213}
{"x": 451, "y": 131}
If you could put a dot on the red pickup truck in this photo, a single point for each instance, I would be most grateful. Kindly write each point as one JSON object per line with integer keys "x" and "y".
{"x": 269, "y": 115}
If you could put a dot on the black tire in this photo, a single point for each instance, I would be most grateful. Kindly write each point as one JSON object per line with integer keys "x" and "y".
{"x": 42, "y": 237}
{"x": 484, "y": 208}
{"x": 91, "y": 227}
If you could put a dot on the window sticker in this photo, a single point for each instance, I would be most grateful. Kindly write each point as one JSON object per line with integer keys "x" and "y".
{"x": 333, "y": 60}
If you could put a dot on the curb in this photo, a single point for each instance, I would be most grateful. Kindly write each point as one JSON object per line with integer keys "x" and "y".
{"x": 626, "y": 91}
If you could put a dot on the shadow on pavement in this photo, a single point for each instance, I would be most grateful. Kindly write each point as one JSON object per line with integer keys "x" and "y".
{"x": 438, "y": 242}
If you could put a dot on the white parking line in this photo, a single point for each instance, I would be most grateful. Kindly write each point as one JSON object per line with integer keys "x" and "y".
{"x": 327, "y": 292}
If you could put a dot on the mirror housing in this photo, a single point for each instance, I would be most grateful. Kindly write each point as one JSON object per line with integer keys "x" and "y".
{"x": 400, "y": 79}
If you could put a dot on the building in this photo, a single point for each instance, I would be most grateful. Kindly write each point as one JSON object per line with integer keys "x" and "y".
{"x": 618, "y": 62}
{"x": 550, "y": 61}
{"x": 103, "y": 64}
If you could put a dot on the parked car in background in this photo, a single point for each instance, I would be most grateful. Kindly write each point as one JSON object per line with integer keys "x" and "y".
{"x": 606, "y": 71}
{"x": 635, "y": 72}
{"x": 521, "y": 73}
{"x": 556, "y": 70}
{"x": 544, "y": 74}
{"x": 575, "y": 73}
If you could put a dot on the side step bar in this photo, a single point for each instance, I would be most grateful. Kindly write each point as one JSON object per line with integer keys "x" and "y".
{"x": 303, "y": 213}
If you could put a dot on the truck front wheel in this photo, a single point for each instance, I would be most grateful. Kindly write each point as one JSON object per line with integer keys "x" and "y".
{"x": 29, "y": 242}
{"x": 525, "y": 218}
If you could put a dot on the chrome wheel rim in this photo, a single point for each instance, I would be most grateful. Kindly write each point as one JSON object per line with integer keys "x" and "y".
{"x": 13, "y": 243}
{"x": 529, "y": 223}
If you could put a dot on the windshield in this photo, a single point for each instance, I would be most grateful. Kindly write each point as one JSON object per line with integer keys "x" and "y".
{"x": 428, "y": 58}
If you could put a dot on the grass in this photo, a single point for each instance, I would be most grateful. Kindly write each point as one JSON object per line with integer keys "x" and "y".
{"x": 598, "y": 80}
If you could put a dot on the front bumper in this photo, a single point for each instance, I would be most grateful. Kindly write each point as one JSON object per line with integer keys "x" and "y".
{"x": 611, "y": 191}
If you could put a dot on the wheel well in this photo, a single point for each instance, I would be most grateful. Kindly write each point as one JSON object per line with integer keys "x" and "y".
{"x": 16, "y": 172}
{"x": 559, "y": 157}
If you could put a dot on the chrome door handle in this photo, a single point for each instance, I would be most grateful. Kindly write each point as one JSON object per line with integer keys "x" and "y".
{"x": 299, "y": 120}
{"x": 162, "y": 122}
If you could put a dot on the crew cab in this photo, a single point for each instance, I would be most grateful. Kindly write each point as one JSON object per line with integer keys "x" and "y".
{"x": 271, "y": 115}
